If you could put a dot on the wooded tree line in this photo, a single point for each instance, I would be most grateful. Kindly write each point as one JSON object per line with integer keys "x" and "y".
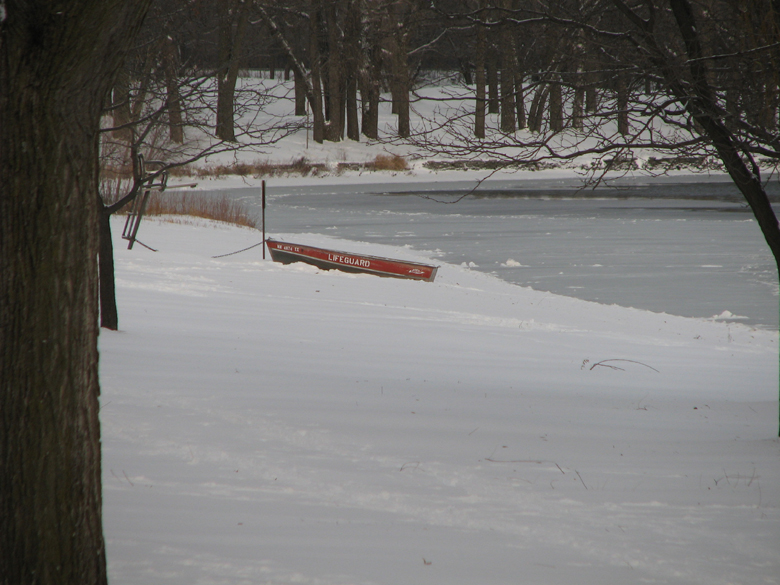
{"x": 541, "y": 66}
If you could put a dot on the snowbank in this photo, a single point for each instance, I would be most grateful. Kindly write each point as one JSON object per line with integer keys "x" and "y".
{"x": 276, "y": 424}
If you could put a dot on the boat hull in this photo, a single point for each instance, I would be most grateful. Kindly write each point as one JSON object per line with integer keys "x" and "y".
{"x": 287, "y": 253}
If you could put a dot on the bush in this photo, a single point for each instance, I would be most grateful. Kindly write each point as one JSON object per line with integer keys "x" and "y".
{"x": 393, "y": 162}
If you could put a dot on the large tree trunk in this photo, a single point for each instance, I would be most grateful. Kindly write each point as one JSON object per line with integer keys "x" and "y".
{"x": 57, "y": 63}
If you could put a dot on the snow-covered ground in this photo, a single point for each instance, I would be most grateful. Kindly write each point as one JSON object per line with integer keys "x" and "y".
{"x": 280, "y": 424}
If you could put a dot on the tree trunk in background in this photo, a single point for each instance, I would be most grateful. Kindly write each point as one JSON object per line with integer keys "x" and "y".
{"x": 591, "y": 92}
{"x": 171, "y": 65}
{"x": 352, "y": 54}
{"x": 120, "y": 106}
{"x": 318, "y": 122}
{"x": 577, "y": 111}
{"x": 479, "y": 74}
{"x": 401, "y": 83}
{"x": 507, "y": 76}
{"x": 334, "y": 130}
{"x": 507, "y": 101}
{"x": 371, "y": 90}
{"x": 300, "y": 94}
{"x": 50, "y": 476}
{"x": 402, "y": 95}
{"x": 622, "y": 106}
{"x": 520, "y": 101}
{"x": 234, "y": 17}
{"x": 492, "y": 74}
{"x": 556, "y": 105}
{"x": 353, "y": 125}
{"x": 537, "y": 108}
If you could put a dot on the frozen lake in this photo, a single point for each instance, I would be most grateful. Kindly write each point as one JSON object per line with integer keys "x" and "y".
{"x": 687, "y": 247}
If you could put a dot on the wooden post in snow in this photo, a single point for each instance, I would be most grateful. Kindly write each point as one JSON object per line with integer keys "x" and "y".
{"x": 263, "y": 216}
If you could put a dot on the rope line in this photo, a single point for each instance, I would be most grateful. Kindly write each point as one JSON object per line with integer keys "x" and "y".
{"x": 239, "y": 251}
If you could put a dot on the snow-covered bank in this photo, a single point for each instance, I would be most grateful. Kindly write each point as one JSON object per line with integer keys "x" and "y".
{"x": 276, "y": 424}
{"x": 432, "y": 105}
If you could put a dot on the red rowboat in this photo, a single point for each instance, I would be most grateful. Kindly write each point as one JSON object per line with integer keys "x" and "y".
{"x": 287, "y": 253}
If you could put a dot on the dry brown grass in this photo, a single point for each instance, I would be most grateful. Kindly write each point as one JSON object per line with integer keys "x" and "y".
{"x": 216, "y": 207}
{"x": 390, "y": 162}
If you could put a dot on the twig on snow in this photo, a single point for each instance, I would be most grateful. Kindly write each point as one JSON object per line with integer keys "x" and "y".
{"x": 606, "y": 365}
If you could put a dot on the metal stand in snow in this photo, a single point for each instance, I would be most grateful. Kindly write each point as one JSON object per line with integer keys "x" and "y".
{"x": 138, "y": 205}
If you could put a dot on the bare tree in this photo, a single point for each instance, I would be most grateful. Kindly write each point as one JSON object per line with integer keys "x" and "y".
{"x": 148, "y": 84}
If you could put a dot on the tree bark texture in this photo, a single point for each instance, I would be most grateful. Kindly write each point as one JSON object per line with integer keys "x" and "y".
{"x": 352, "y": 58}
{"x": 334, "y": 130}
{"x": 556, "y": 105}
{"x": 622, "y": 105}
{"x": 577, "y": 113}
{"x": 58, "y": 60}
{"x": 591, "y": 93}
{"x": 171, "y": 66}
{"x": 537, "y": 107}
{"x": 520, "y": 101}
{"x": 318, "y": 121}
{"x": 491, "y": 66}
{"x": 234, "y": 18}
{"x": 507, "y": 77}
{"x": 479, "y": 79}
{"x": 300, "y": 93}
{"x": 120, "y": 106}
{"x": 109, "y": 315}
{"x": 371, "y": 92}
{"x": 402, "y": 83}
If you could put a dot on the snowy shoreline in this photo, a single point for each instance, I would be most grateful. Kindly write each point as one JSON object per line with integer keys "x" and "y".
{"x": 437, "y": 180}
{"x": 275, "y": 424}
